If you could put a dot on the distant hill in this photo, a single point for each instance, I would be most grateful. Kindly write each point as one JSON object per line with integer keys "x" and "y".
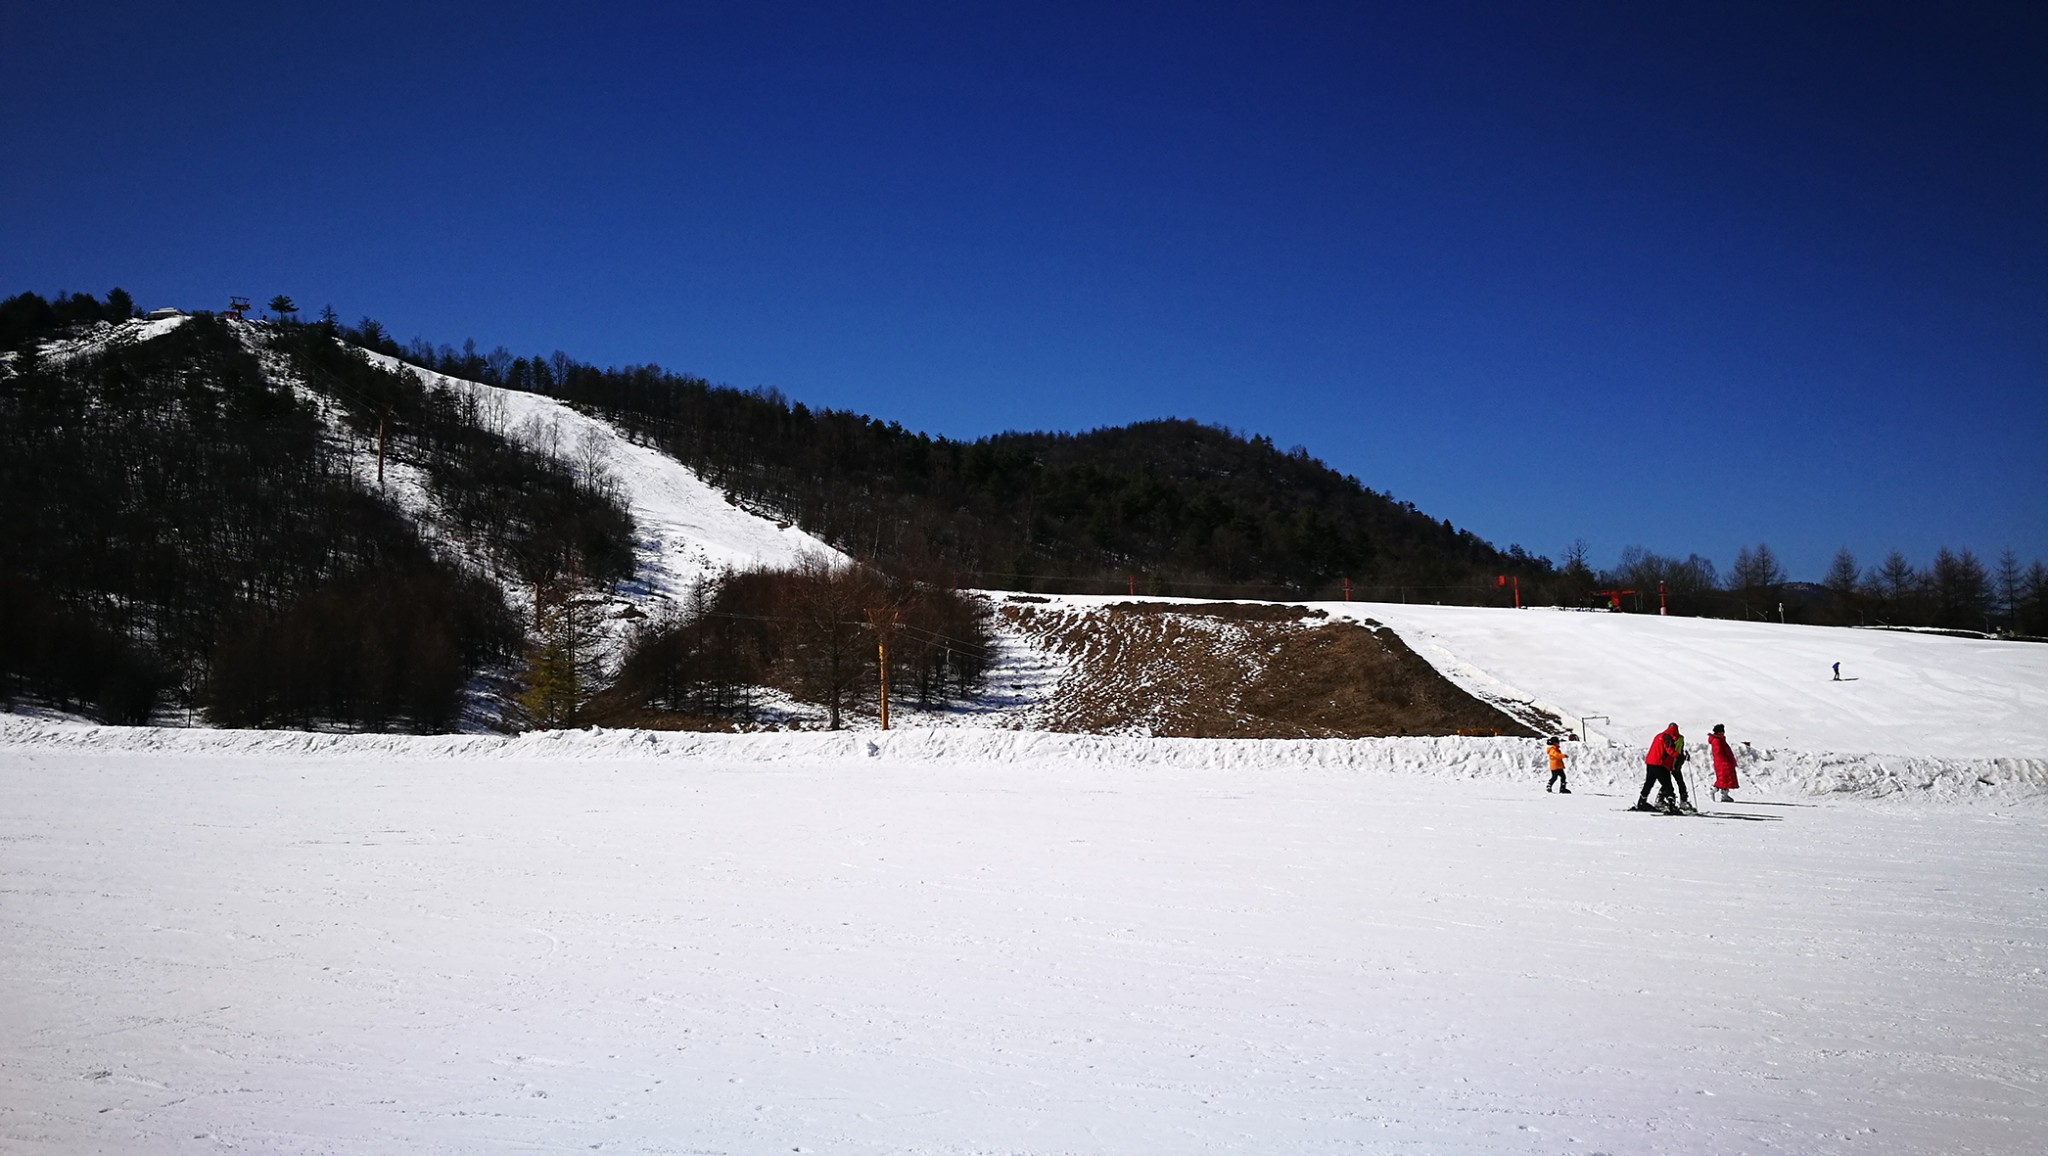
{"x": 1179, "y": 506}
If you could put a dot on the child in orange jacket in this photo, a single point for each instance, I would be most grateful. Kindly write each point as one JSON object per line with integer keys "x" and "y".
{"x": 1556, "y": 754}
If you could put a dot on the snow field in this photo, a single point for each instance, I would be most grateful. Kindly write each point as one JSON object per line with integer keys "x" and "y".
{"x": 1902, "y": 693}
{"x": 891, "y": 943}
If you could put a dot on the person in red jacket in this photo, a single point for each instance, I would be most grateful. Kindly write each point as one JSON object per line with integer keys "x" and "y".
{"x": 1724, "y": 764}
{"x": 1658, "y": 762}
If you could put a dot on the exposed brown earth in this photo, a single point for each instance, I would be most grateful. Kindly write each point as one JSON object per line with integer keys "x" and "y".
{"x": 1237, "y": 670}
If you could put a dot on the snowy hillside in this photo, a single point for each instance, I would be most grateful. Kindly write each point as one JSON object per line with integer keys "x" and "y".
{"x": 1773, "y": 685}
{"x": 686, "y": 529}
{"x": 107, "y": 335}
{"x": 1901, "y": 693}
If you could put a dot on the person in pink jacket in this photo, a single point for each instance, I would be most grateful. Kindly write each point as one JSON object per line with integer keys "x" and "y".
{"x": 1724, "y": 764}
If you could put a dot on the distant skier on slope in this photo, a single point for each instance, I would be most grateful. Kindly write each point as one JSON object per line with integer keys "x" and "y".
{"x": 1657, "y": 771}
{"x": 1724, "y": 764}
{"x": 1556, "y": 754}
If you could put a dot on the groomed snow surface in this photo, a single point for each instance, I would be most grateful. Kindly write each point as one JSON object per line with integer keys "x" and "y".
{"x": 984, "y": 942}
{"x": 1899, "y": 693}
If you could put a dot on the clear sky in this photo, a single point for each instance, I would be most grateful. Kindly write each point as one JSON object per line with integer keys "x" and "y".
{"x": 1683, "y": 276}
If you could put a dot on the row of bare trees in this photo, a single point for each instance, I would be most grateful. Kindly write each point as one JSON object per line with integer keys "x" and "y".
{"x": 813, "y": 631}
{"x": 1956, "y": 591}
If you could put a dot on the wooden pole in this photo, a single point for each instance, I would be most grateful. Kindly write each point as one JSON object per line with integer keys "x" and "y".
{"x": 884, "y": 623}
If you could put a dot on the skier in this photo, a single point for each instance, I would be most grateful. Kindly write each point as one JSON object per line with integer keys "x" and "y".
{"x": 1556, "y": 754}
{"x": 1678, "y": 757}
{"x": 1838, "y": 672}
{"x": 1724, "y": 764}
{"x": 1657, "y": 772}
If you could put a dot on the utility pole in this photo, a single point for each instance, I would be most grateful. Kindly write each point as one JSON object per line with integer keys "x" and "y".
{"x": 884, "y": 623}
{"x": 383, "y": 418}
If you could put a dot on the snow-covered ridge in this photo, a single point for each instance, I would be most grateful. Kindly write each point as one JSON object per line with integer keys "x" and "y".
{"x": 107, "y": 335}
{"x": 1505, "y": 761}
{"x": 684, "y": 529}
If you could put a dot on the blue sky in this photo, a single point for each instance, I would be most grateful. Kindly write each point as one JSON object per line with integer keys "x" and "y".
{"x": 1688, "y": 277}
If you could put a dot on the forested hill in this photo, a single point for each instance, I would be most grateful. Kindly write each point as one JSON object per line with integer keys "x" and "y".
{"x": 1182, "y": 507}
{"x": 185, "y": 529}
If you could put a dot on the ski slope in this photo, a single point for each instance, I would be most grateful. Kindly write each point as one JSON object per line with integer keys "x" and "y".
{"x": 1620, "y": 678}
{"x": 106, "y": 335}
{"x": 1901, "y": 693}
{"x": 974, "y": 942}
{"x": 685, "y": 530}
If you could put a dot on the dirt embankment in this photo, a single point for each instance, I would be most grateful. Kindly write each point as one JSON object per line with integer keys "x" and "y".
{"x": 1234, "y": 670}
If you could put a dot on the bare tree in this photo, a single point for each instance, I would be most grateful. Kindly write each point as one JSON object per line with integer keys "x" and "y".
{"x": 1842, "y": 573}
{"x": 2034, "y": 599}
{"x": 1756, "y": 569}
{"x": 2011, "y": 586}
{"x": 829, "y": 646}
{"x": 1962, "y": 590}
{"x": 1577, "y": 571}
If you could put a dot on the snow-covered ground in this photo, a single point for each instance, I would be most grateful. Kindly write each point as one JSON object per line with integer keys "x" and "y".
{"x": 1620, "y": 678}
{"x": 968, "y": 942}
{"x": 1900, "y": 692}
